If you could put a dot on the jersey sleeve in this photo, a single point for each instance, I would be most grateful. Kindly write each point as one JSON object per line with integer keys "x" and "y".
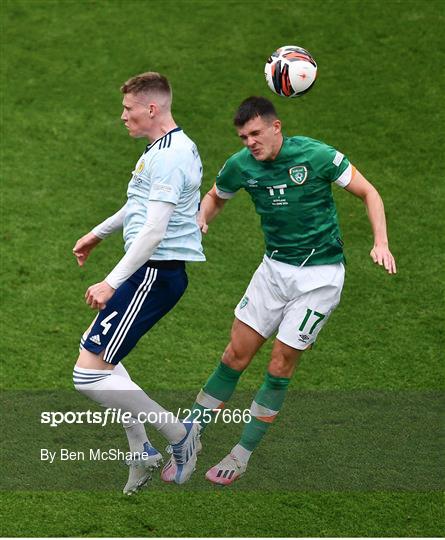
{"x": 167, "y": 176}
{"x": 228, "y": 180}
{"x": 332, "y": 165}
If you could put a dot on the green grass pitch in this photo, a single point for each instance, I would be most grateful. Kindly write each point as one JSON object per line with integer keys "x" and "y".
{"x": 66, "y": 161}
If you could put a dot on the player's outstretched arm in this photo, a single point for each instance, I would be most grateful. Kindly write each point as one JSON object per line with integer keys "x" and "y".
{"x": 380, "y": 253}
{"x": 89, "y": 241}
{"x": 211, "y": 206}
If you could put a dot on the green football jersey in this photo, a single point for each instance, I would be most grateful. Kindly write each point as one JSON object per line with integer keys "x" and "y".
{"x": 293, "y": 196}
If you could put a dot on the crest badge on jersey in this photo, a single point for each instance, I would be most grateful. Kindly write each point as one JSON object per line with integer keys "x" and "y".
{"x": 298, "y": 174}
{"x": 136, "y": 178}
{"x": 140, "y": 167}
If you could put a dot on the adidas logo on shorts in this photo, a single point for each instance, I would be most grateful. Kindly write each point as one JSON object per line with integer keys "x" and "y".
{"x": 96, "y": 339}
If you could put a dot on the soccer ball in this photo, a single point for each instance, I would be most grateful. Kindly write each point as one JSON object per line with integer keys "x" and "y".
{"x": 290, "y": 71}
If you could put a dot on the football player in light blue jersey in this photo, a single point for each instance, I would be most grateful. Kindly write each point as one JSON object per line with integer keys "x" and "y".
{"x": 170, "y": 171}
{"x": 161, "y": 234}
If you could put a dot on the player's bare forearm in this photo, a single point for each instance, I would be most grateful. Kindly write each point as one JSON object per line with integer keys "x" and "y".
{"x": 211, "y": 206}
{"x": 376, "y": 215}
{"x": 380, "y": 253}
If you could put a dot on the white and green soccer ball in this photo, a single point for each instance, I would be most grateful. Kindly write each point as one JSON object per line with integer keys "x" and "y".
{"x": 290, "y": 71}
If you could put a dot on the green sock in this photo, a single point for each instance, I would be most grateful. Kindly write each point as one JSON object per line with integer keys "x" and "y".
{"x": 264, "y": 408}
{"x": 217, "y": 390}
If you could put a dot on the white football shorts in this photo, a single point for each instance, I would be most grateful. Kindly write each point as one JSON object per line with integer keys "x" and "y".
{"x": 294, "y": 302}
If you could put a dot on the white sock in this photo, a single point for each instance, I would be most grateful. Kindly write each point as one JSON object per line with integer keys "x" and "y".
{"x": 134, "y": 430}
{"x": 241, "y": 453}
{"x": 112, "y": 390}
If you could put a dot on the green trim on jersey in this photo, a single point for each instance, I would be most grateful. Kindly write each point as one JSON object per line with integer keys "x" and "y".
{"x": 293, "y": 196}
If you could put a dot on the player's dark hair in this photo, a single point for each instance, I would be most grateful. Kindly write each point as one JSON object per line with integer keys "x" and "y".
{"x": 147, "y": 82}
{"x": 251, "y": 108}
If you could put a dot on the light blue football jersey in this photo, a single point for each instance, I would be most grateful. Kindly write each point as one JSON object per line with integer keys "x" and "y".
{"x": 170, "y": 170}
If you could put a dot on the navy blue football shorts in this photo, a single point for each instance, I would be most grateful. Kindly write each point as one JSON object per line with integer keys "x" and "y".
{"x": 135, "y": 307}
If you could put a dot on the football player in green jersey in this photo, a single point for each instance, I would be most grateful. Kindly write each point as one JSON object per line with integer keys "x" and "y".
{"x": 298, "y": 284}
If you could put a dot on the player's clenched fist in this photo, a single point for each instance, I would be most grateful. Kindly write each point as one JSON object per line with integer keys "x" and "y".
{"x": 83, "y": 247}
{"x": 98, "y": 295}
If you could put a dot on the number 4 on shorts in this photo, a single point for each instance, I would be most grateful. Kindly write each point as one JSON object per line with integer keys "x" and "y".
{"x": 106, "y": 323}
{"x": 309, "y": 312}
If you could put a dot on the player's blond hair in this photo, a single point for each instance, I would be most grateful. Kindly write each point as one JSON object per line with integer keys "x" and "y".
{"x": 151, "y": 83}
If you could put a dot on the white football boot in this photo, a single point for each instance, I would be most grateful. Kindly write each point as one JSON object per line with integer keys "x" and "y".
{"x": 169, "y": 471}
{"x": 141, "y": 469}
{"x": 226, "y": 471}
{"x": 184, "y": 454}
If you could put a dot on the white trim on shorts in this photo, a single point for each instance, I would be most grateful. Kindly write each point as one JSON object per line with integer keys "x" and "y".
{"x": 130, "y": 314}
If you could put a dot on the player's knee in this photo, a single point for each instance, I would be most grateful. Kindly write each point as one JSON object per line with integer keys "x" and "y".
{"x": 85, "y": 383}
{"x": 78, "y": 378}
{"x": 278, "y": 367}
{"x": 76, "y": 382}
{"x": 235, "y": 358}
{"x": 89, "y": 368}
{"x": 283, "y": 361}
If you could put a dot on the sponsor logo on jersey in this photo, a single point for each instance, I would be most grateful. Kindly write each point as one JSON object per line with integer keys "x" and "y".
{"x": 279, "y": 189}
{"x": 252, "y": 182}
{"x": 338, "y": 158}
{"x": 298, "y": 174}
{"x": 244, "y": 302}
{"x": 162, "y": 188}
{"x": 278, "y": 192}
